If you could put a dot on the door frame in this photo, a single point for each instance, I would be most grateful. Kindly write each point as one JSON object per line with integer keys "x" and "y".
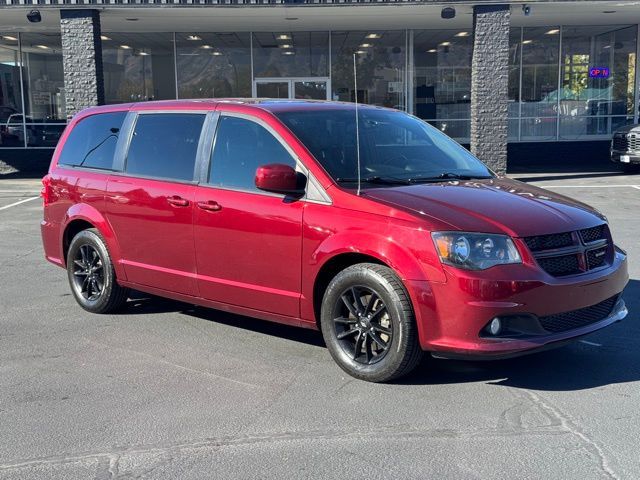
{"x": 291, "y": 81}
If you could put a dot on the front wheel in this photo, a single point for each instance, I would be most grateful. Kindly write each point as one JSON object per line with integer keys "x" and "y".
{"x": 91, "y": 274}
{"x": 368, "y": 324}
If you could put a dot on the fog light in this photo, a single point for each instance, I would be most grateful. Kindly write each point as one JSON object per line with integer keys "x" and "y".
{"x": 495, "y": 326}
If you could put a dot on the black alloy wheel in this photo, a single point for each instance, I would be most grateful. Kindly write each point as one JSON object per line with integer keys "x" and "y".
{"x": 368, "y": 323}
{"x": 92, "y": 276}
{"x": 363, "y": 326}
{"x": 88, "y": 273}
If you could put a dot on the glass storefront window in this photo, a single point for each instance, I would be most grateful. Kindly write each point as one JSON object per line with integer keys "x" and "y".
{"x": 381, "y": 67}
{"x": 138, "y": 67}
{"x": 211, "y": 65}
{"x": 290, "y": 54}
{"x": 442, "y": 79}
{"x": 539, "y": 84}
{"x": 11, "y": 129}
{"x": 596, "y": 103}
{"x": 45, "y": 113}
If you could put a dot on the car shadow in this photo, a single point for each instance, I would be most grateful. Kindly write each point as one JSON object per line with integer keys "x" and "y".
{"x": 143, "y": 304}
{"x": 609, "y": 356}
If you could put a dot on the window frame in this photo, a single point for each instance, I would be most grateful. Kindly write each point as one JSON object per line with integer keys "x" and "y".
{"x": 116, "y": 153}
{"x": 128, "y": 128}
{"x": 313, "y": 191}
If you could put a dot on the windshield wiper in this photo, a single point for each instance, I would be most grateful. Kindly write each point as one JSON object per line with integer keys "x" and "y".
{"x": 376, "y": 179}
{"x": 447, "y": 176}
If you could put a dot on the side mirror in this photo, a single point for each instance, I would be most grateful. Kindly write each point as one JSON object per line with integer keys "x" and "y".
{"x": 280, "y": 178}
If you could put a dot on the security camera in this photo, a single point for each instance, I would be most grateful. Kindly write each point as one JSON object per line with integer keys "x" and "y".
{"x": 526, "y": 10}
{"x": 34, "y": 16}
{"x": 448, "y": 13}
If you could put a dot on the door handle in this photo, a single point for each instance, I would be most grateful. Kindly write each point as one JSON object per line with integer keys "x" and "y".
{"x": 210, "y": 205}
{"x": 177, "y": 201}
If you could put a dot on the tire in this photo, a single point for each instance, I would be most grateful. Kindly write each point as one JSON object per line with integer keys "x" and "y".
{"x": 373, "y": 339}
{"x": 92, "y": 277}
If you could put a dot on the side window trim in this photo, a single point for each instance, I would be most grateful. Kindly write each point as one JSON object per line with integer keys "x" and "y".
{"x": 124, "y": 139}
{"x": 205, "y": 147}
{"x": 122, "y": 151}
{"x": 313, "y": 191}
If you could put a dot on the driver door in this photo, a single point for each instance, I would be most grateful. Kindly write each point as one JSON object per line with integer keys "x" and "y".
{"x": 248, "y": 242}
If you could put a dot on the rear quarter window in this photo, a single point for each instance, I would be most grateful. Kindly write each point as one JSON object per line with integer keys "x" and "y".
{"x": 164, "y": 145}
{"x": 92, "y": 142}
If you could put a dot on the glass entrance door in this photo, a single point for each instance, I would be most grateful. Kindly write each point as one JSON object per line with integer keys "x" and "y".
{"x": 292, "y": 88}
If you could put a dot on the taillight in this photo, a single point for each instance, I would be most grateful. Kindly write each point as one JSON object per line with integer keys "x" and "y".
{"x": 45, "y": 193}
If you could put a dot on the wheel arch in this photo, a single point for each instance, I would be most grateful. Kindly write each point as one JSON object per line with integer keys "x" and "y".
{"x": 82, "y": 217}
{"x": 330, "y": 269}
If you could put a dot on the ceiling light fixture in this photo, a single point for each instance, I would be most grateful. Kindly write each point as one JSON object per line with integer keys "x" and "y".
{"x": 288, "y": 52}
{"x": 445, "y": 44}
{"x": 526, "y": 42}
{"x": 125, "y": 47}
{"x": 462, "y": 34}
{"x": 553, "y": 31}
{"x": 217, "y": 54}
{"x": 104, "y": 38}
{"x": 365, "y": 45}
{"x": 193, "y": 37}
{"x": 432, "y": 50}
{"x": 44, "y": 47}
{"x": 373, "y": 35}
{"x": 206, "y": 47}
{"x": 361, "y": 52}
{"x": 10, "y": 38}
{"x": 286, "y": 45}
{"x": 144, "y": 54}
{"x": 284, "y": 37}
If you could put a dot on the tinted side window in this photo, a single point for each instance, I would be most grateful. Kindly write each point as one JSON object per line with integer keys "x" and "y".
{"x": 242, "y": 146}
{"x": 165, "y": 145}
{"x": 92, "y": 143}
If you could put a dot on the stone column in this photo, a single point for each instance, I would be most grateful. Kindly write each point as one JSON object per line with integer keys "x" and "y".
{"x": 81, "y": 59}
{"x": 489, "y": 85}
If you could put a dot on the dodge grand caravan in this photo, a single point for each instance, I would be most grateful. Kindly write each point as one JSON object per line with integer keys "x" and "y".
{"x": 392, "y": 239}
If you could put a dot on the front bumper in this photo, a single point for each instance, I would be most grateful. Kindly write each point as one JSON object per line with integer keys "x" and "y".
{"x": 452, "y": 315}
{"x": 628, "y": 157}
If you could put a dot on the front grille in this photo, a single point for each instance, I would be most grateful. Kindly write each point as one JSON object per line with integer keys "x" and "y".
{"x": 626, "y": 143}
{"x": 620, "y": 143}
{"x": 572, "y": 253}
{"x": 561, "y": 322}
{"x": 593, "y": 234}
{"x": 596, "y": 258}
{"x": 560, "y": 266}
{"x": 547, "y": 242}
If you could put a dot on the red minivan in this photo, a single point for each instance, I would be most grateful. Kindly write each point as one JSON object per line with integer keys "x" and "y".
{"x": 383, "y": 233}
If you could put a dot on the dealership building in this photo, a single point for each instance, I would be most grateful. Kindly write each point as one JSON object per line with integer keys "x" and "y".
{"x": 535, "y": 81}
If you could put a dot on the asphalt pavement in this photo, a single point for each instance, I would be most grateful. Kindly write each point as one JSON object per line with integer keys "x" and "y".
{"x": 166, "y": 390}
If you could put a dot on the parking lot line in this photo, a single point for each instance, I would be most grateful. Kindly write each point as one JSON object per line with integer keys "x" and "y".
{"x": 589, "y": 186}
{"x": 18, "y": 203}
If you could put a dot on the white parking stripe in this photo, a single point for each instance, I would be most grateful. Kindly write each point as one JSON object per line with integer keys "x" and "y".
{"x": 590, "y": 343}
{"x": 18, "y": 203}
{"x": 587, "y": 186}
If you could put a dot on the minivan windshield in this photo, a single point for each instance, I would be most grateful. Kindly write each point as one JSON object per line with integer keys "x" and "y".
{"x": 395, "y": 148}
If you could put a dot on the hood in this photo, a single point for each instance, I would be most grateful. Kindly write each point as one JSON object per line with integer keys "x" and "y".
{"x": 627, "y": 129}
{"x": 496, "y": 205}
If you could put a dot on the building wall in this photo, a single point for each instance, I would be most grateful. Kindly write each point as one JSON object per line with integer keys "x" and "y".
{"x": 550, "y": 96}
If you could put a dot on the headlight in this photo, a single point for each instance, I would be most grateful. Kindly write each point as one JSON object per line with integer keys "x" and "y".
{"x": 475, "y": 251}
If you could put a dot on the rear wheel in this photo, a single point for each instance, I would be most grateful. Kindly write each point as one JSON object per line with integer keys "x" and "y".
{"x": 91, "y": 274}
{"x": 368, "y": 324}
